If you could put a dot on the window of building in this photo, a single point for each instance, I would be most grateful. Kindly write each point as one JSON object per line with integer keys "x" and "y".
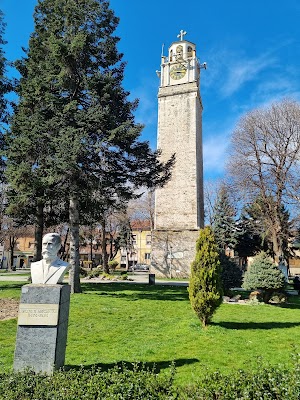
{"x": 134, "y": 239}
{"x": 123, "y": 258}
{"x": 147, "y": 256}
{"x": 148, "y": 239}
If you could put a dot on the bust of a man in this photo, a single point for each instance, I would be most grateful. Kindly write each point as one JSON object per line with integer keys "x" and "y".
{"x": 51, "y": 269}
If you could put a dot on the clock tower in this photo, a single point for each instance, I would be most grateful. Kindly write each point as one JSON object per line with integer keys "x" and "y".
{"x": 179, "y": 204}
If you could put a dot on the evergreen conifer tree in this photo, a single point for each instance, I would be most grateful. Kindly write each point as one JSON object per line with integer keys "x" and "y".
{"x": 3, "y": 81}
{"x": 5, "y": 87}
{"x": 224, "y": 224}
{"x": 251, "y": 239}
{"x": 263, "y": 275}
{"x": 231, "y": 273}
{"x": 73, "y": 131}
{"x": 205, "y": 287}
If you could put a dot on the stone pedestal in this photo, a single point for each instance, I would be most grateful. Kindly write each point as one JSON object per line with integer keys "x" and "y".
{"x": 42, "y": 328}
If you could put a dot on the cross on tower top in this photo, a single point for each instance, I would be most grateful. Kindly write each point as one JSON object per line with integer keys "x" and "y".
{"x": 181, "y": 34}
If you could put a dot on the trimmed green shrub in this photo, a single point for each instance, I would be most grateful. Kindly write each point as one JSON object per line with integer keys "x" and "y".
{"x": 205, "y": 287}
{"x": 231, "y": 274}
{"x": 263, "y": 275}
{"x": 90, "y": 384}
{"x": 138, "y": 383}
{"x": 267, "y": 383}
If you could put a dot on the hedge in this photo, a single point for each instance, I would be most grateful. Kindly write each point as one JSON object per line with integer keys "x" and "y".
{"x": 138, "y": 383}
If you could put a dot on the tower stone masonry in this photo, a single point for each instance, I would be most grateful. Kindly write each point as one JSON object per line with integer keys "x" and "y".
{"x": 179, "y": 204}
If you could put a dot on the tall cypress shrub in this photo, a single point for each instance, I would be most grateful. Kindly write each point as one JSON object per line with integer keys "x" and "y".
{"x": 205, "y": 287}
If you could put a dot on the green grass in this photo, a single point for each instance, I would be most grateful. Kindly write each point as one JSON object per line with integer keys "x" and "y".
{"x": 10, "y": 289}
{"x": 120, "y": 322}
{"x": 8, "y": 273}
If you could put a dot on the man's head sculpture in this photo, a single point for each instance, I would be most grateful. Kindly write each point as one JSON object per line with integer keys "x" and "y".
{"x": 51, "y": 269}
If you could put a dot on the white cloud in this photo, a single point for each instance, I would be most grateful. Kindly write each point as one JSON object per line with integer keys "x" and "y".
{"x": 229, "y": 70}
{"x": 275, "y": 88}
{"x": 244, "y": 70}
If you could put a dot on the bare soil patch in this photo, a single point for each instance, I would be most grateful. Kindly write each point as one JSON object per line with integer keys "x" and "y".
{"x": 8, "y": 309}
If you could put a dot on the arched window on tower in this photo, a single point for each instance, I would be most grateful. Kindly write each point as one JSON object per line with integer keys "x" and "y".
{"x": 179, "y": 52}
{"x": 171, "y": 55}
{"x": 189, "y": 51}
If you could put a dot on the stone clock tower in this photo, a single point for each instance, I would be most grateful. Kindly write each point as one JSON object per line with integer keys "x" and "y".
{"x": 179, "y": 204}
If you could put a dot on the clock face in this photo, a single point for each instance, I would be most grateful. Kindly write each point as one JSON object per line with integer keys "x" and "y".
{"x": 177, "y": 71}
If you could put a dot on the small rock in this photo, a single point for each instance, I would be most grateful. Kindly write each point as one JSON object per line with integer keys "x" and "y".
{"x": 226, "y": 299}
{"x": 256, "y": 295}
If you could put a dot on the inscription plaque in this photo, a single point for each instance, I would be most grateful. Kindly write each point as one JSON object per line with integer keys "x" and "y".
{"x": 38, "y": 314}
{"x": 176, "y": 255}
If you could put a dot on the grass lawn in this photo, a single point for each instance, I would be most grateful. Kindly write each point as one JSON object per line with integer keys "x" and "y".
{"x": 115, "y": 322}
{"x": 8, "y": 273}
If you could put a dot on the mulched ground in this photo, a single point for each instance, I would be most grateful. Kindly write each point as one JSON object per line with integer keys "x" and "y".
{"x": 8, "y": 309}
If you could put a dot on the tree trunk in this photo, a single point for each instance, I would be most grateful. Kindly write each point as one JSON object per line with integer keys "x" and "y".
{"x": 277, "y": 247}
{"x": 74, "y": 275}
{"x": 204, "y": 323}
{"x": 151, "y": 195}
{"x": 91, "y": 252}
{"x": 111, "y": 255}
{"x": 104, "y": 250}
{"x": 63, "y": 252}
{"x": 39, "y": 229}
{"x": 127, "y": 260}
{"x": 11, "y": 250}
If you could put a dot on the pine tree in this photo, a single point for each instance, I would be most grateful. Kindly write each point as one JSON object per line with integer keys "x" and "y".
{"x": 224, "y": 224}
{"x": 251, "y": 239}
{"x": 263, "y": 275}
{"x": 74, "y": 124}
{"x": 231, "y": 274}
{"x": 205, "y": 288}
{"x": 5, "y": 87}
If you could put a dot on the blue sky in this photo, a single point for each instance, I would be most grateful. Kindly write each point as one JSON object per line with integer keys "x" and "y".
{"x": 252, "y": 49}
